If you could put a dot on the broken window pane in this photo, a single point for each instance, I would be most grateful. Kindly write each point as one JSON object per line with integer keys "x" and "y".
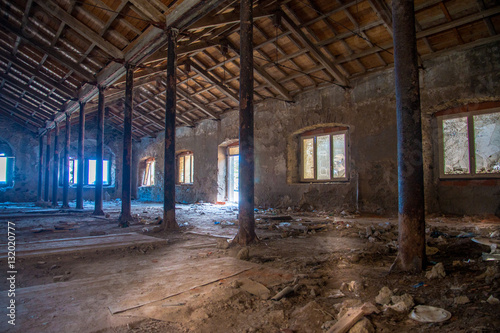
{"x": 323, "y": 156}
{"x": 339, "y": 156}
{"x": 73, "y": 171}
{"x": 487, "y": 142}
{"x": 187, "y": 172}
{"x": 456, "y": 146}
{"x": 181, "y": 169}
{"x": 308, "y": 158}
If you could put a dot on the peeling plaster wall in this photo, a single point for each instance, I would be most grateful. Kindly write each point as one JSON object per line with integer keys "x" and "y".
{"x": 368, "y": 110}
{"x": 24, "y": 146}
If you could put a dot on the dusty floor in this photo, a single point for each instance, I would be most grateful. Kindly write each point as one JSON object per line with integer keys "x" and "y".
{"x": 194, "y": 284}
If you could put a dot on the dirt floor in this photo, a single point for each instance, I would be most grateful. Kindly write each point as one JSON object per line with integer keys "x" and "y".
{"x": 194, "y": 282}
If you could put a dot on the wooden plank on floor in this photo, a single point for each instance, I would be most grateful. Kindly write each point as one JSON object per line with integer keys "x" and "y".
{"x": 81, "y": 244}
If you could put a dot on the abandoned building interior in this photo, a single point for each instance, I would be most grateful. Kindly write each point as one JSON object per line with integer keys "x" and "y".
{"x": 250, "y": 166}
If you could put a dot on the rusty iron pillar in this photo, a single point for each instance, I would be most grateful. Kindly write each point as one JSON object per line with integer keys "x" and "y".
{"x": 126, "y": 214}
{"x": 411, "y": 256}
{"x": 246, "y": 232}
{"x": 55, "y": 168}
{"x": 99, "y": 153}
{"x": 81, "y": 157}
{"x": 169, "y": 222}
{"x": 66, "y": 162}
{"x": 39, "y": 197}
{"x": 47, "y": 168}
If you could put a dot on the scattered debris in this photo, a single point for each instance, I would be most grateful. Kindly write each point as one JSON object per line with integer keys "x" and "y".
{"x": 287, "y": 290}
{"x": 436, "y": 272}
{"x": 384, "y": 296}
{"x": 222, "y": 244}
{"x": 363, "y": 326}
{"x": 493, "y": 300}
{"x": 461, "y": 300}
{"x": 255, "y": 288}
{"x": 402, "y": 303}
{"x": 351, "y": 317}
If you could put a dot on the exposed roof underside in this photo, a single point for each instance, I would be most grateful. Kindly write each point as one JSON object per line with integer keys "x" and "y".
{"x": 54, "y": 53}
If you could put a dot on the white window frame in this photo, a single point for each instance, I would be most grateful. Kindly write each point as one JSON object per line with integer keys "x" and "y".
{"x": 346, "y": 150}
{"x": 471, "y": 139}
{"x": 183, "y": 155}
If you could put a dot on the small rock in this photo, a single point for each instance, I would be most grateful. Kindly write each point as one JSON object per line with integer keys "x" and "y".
{"x": 235, "y": 284}
{"x": 436, "y": 272}
{"x": 243, "y": 254}
{"x": 327, "y": 324}
{"x": 493, "y": 300}
{"x": 460, "y": 300}
{"x": 222, "y": 244}
{"x": 60, "y": 278}
{"x": 352, "y": 286}
{"x": 402, "y": 303}
{"x": 363, "y": 326}
{"x": 384, "y": 296}
{"x": 54, "y": 267}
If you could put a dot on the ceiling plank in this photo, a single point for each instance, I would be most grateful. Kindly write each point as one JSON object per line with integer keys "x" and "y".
{"x": 44, "y": 49}
{"x": 329, "y": 66}
{"x": 18, "y": 119}
{"x": 211, "y": 78}
{"x": 81, "y": 28}
{"x": 146, "y": 8}
{"x": 383, "y": 12}
{"x": 197, "y": 104}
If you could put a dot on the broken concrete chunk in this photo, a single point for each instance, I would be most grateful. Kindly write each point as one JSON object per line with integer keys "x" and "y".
{"x": 243, "y": 254}
{"x": 352, "y": 286}
{"x": 384, "y": 296}
{"x": 437, "y": 272}
{"x": 493, "y": 300}
{"x": 460, "y": 300}
{"x": 363, "y": 326}
{"x": 255, "y": 288}
{"x": 402, "y": 303}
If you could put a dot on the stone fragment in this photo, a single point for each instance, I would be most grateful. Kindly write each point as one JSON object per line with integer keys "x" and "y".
{"x": 384, "y": 296}
{"x": 437, "y": 272}
{"x": 460, "y": 300}
{"x": 255, "y": 288}
{"x": 402, "y": 303}
{"x": 493, "y": 300}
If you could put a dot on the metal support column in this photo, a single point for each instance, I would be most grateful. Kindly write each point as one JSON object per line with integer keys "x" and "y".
{"x": 246, "y": 231}
{"x": 66, "y": 162}
{"x": 126, "y": 214}
{"x": 99, "y": 154}
{"x": 39, "y": 197}
{"x": 169, "y": 222}
{"x": 81, "y": 157}
{"x": 411, "y": 255}
{"x": 47, "y": 168}
{"x": 55, "y": 168}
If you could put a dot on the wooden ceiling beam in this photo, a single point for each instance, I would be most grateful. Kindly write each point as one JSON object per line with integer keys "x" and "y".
{"x": 329, "y": 66}
{"x": 149, "y": 10}
{"x": 56, "y": 11}
{"x": 29, "y": 89}
{"x": 44, "y": 49}
{"x": 197, "y": 104}
{"x": 210, "y": 21}
{"x": 30, "y": 71}
{"x": 22, "y": 110}
{"x": 268, "y": 78}
{"x": 487, "y": 20}
{"x": 118, "y": 115}
{"x": 31, "y": 106}
{"x": 196, "y": 65}
{"x": 383, "y": 12}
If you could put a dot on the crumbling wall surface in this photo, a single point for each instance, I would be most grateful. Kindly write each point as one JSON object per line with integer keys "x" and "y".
{"x": 368, "y": 110}
{"x": 469, "y": 78}
{"x": 24, "y": 145}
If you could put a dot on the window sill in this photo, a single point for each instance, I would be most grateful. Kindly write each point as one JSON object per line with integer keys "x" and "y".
{"x": 184, "y": 184}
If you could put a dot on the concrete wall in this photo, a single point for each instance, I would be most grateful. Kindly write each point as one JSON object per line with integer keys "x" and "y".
{"x": 368, "y": 110}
